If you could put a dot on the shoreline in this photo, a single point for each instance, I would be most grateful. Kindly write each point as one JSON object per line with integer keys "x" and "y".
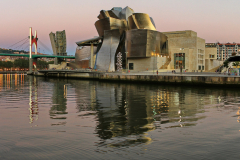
{"x": 13, "y": 72}
{"x": 189, "y": 78}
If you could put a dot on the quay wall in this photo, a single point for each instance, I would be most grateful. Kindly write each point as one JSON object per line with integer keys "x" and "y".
{"x": 187, "y": 79}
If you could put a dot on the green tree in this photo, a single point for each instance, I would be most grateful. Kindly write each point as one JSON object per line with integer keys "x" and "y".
{"x": 236, "y": 64}
{"x": 42, "y": 64}
{"x": 226, "y": 64}
{"x": 51, "y": 62}
{"x": 7, "y": 64}
{"x": 21, "y": 63}
{"x": 25, "y": 63}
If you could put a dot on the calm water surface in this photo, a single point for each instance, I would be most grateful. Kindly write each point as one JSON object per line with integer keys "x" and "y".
{"x": 73, "y": 119}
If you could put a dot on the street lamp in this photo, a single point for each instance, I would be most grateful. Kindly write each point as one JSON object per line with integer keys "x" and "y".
{"x": 179, "y": 60}
{"x": 126, "y": 60}
{"x": 153, "y": 61}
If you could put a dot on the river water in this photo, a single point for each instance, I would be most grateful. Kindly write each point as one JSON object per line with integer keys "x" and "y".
{"x": 42, "y": 118}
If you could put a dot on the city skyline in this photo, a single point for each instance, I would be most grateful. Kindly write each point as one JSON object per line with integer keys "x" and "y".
{"x": 214, "y": 21}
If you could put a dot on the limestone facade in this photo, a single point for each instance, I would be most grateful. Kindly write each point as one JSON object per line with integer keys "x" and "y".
{"x": 186, "y": 50}
{"x": 146, "y": 64}
{"x": 211, "y": 61}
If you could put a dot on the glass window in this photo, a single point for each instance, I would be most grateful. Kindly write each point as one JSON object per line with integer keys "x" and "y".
{"x": 179, "y": 60}
{"x": 130, "y": 66}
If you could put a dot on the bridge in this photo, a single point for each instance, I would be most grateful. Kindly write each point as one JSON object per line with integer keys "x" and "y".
{"x": 33, "y": 40}
{"x": 35, "y": 56}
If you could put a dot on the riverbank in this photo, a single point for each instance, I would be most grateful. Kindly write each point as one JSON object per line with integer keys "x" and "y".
{"x": 13, "y": 72}
{"x": 190, "y": 78}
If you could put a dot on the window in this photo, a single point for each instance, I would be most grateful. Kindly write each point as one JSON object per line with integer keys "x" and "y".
{"x": 179, "y": 60}
{"x": 199, "y": 67}
{"x": 130, "y": 66}
{"x": 211, "y": 56}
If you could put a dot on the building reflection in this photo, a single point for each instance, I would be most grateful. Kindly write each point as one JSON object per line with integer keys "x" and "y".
{"x": 125, "y": 113}
{"x": 11, "y": 81}
{"x": 1, "y": 82}
{"x": 15, "y": 83}
{"x": 59, "y": 101}
{"x": 33, "y": 99}
{"x": 86, "y": 95}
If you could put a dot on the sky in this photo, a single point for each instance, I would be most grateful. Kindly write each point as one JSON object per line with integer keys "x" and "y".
{"x": 213, "y": 20}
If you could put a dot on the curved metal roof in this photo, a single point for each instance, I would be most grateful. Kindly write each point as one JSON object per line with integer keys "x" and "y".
{"x": 95, "y": 41}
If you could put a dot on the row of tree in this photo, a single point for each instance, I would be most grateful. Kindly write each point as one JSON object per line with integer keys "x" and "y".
{"x": 226, "y": 64}
{"x": 23, "y": 64}
{"x": 11, "y": 51}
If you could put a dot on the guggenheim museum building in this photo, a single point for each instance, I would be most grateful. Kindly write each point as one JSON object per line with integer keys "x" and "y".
{"x": 133, "y": 39}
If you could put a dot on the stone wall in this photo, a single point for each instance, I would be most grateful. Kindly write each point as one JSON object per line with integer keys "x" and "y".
{"x": 144, "y": 64}
{"x": 161, "y": 79}
{"x": 189, "y": 44}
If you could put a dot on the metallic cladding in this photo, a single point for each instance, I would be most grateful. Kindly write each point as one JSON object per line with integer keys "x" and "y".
{"x": 136, "y": 41}
{"x": 83, "y": 56}
{"x": 84, "y": 53}
{"x": 152, "y": 21}
{"x": 107, "y": 53}
{"x": 141, "y": 21}
{"x": 144, "y": 43}
{"x": 126, "y": 12}
{"x": 122, "y": 30}
{"x": 110, "y": 24}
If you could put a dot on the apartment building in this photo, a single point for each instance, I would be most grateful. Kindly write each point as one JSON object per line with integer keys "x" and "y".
{"x": 225, "y": 50}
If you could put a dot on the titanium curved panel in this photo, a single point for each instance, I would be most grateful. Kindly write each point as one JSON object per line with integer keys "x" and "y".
{"x": 107, "y": 53}
{"x": 153, "y": 42}
{"x": 103, "y": 14}
{"x": 113, "y": 14}
{"x": 136, "y": 43}
{"x": 131, "y": 23}
{"x": 110, "y": 24}
{"x": 163, "y": 44}
{"x": 117, "y": 13}
{"x": 126, "y": 12}
{"x": 152, "y": 22}
{"x": 144, "y": 43}
{"x": 84, "y": 53}
{"x": 141, "y": 21}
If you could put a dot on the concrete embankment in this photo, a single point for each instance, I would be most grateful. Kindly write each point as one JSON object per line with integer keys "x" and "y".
{"x": 190, "y": 79}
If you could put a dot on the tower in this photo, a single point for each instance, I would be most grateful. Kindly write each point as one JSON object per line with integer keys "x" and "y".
{"x": 58, "y": 42}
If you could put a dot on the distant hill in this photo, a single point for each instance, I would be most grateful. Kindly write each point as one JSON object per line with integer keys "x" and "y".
{"x": 3, "y": 50}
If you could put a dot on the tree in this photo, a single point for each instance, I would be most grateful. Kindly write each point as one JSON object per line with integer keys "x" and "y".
{"x": 236, "y": 64}
{"x": 21, "y": 63}
{"x": 51, "y": 62}
{"x": 9, "y": 64}
{"x": 41, "y": 64}
{"x": 234, "y": 53}
{"x": 226, "y": 64}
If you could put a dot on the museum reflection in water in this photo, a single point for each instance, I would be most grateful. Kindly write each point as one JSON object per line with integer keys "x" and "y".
{"x": 123, "y": 110}
{"x": 130, "y": 111}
